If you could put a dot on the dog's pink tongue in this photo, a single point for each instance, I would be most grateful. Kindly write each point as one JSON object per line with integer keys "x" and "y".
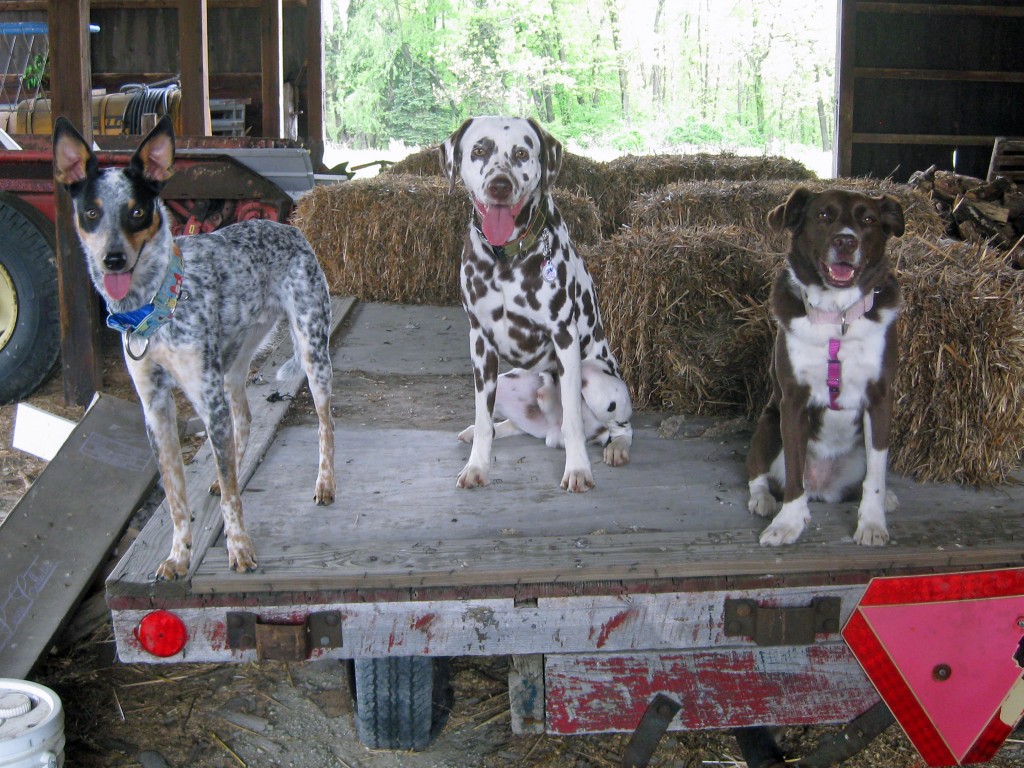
{"x": 841, "y": 272}
{"x": 498, "y": 224}
{"x": 117, "y": 285}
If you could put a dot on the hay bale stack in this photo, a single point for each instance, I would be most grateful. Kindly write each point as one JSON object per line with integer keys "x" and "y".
{"x": 387, "y": 238}
{"x": 422, "y": 163}
{"x": 960, "y": 386}
{"x": 580, "y": 175}
{"x": 707, "y": 203}
{"x": 686, "y": 312}
{"x": 399, "y": 238}
{"x": 628, "y": 178}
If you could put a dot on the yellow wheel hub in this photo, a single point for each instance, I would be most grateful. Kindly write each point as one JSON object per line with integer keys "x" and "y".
{"x": 8, "y": 307}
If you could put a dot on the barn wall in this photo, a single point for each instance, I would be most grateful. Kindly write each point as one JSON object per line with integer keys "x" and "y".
{"x": 920, "y": 80}
{"x": 140, "y": 46}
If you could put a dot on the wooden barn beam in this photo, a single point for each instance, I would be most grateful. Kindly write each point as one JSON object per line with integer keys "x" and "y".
{"x": 315, "y": 79}
{"x": 194, "y": 65}
{"x": 70, "y": 78}
{"x": 842, "y": 142}
{"x": 271, "y": 25}
{"x": 106, "y": 5}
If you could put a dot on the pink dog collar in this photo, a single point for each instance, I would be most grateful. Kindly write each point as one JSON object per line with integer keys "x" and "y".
{"x": 842, "y": 317}
{"x": 834, "y": 376}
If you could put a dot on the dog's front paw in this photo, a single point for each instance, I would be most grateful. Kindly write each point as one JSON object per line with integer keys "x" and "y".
{"x": 325, "y": 491}
{"x": 761, "y": 503}
{"x": 577, "y": 480}
{"x": 616, "y": 453}
{"x": 466, "y": 435}
{"x": 241, "y": 555}
{"x": 787, "y": 525}
{"x": 172, "y": 568}
{"x": 871, "y": 530}
{"x": 871, "y": 534}
{"x": 471, "y": 477}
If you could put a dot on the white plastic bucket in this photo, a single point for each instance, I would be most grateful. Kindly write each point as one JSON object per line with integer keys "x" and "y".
{"x": 31, "y": 726}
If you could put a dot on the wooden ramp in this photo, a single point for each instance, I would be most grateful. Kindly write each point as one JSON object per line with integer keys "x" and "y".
{"x": 55, "y": 540}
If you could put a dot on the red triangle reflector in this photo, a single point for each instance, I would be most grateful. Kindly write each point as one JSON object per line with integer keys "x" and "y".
{"x": 944, "y": 653}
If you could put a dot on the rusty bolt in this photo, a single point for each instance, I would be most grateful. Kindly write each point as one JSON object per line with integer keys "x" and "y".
{"x": 942, "y": 672}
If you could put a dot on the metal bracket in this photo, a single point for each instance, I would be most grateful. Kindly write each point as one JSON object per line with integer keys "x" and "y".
{"x": 767, "y": 625}
{"x": 648, "y": 733}
{"x": 284, "y": 642}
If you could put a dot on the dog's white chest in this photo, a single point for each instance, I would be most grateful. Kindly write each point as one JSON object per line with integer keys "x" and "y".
{"x": 859, "y": 353}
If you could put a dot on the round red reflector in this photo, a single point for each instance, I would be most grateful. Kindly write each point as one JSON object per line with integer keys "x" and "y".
{"x": 161, "y": 633}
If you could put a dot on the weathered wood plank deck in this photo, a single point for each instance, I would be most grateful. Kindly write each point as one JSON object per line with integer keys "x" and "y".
{"x": 678, "y": 511}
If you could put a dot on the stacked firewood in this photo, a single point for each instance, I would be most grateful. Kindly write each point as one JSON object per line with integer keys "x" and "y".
{"x": 987, "y": 211}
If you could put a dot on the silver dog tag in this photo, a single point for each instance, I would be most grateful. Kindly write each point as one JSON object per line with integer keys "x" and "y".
{"x": 548, "y": 271}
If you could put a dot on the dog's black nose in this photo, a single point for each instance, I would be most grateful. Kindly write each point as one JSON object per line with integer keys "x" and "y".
{"x": 845, "y": 243}
{"x": 115, "y": 261}
{"x": 499, "y": 188}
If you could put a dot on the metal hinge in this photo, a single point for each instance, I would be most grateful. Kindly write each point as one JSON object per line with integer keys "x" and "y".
{"x": 767, "y": 625}
{"x": 283, "y": 642}
{"x": 648, "y": 733}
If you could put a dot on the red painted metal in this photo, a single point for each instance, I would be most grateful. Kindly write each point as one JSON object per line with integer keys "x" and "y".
{"x": 944, "y": 653}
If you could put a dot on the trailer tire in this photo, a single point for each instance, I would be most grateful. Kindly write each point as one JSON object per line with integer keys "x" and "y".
{"x": 29, "y": 309}
{"x": 401, "y": 702}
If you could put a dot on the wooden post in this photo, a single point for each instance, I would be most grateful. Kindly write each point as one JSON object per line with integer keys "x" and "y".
{"x": 842, "y": 142}
{"x": 194, "y": 65}
{"x": 71, "y": 91}
{"x": 273, "y": 68}
{"x": 315, "y": 80}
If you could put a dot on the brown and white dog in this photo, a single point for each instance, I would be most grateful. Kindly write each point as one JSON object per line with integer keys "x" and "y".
{"x": 826, "y": 428}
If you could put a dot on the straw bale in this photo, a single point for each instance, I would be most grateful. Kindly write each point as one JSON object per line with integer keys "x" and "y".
{"x": 399, "y": 238}
{"x": 387, "y": 238}
{"x": 627, "y": 178}
{"x": 706, "y": 203}
{"x": 422, "y": 163}
{"x": 686, "y": 313}
{"x": 960, "y": 386}
{"x": 579, "y": 174}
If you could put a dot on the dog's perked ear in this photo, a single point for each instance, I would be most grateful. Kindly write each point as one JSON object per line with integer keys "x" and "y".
{"x": 449, "y": 153}
{"x": 789, "y": 214}
{"x": 550, "y": 154}
{"x": 73, "y": 160}
{"x": 154, "y": 159}
{"x": 892, "y": 215}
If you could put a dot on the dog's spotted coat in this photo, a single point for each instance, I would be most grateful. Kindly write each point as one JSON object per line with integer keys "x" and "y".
{"x": 531, "y": 302}
{"x": 238, "y": 283}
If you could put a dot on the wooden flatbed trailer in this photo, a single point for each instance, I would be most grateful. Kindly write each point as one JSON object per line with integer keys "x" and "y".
{"x": 652, "y": 583}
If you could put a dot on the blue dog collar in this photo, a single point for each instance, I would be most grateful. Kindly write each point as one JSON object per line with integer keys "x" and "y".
{"x": 147, "y": 319}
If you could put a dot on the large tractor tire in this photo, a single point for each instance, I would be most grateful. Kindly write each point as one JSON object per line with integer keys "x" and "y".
{"x": 29, "y": 309}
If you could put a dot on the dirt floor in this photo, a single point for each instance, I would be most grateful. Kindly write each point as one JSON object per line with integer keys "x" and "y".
{"x": 300, "y": 714}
